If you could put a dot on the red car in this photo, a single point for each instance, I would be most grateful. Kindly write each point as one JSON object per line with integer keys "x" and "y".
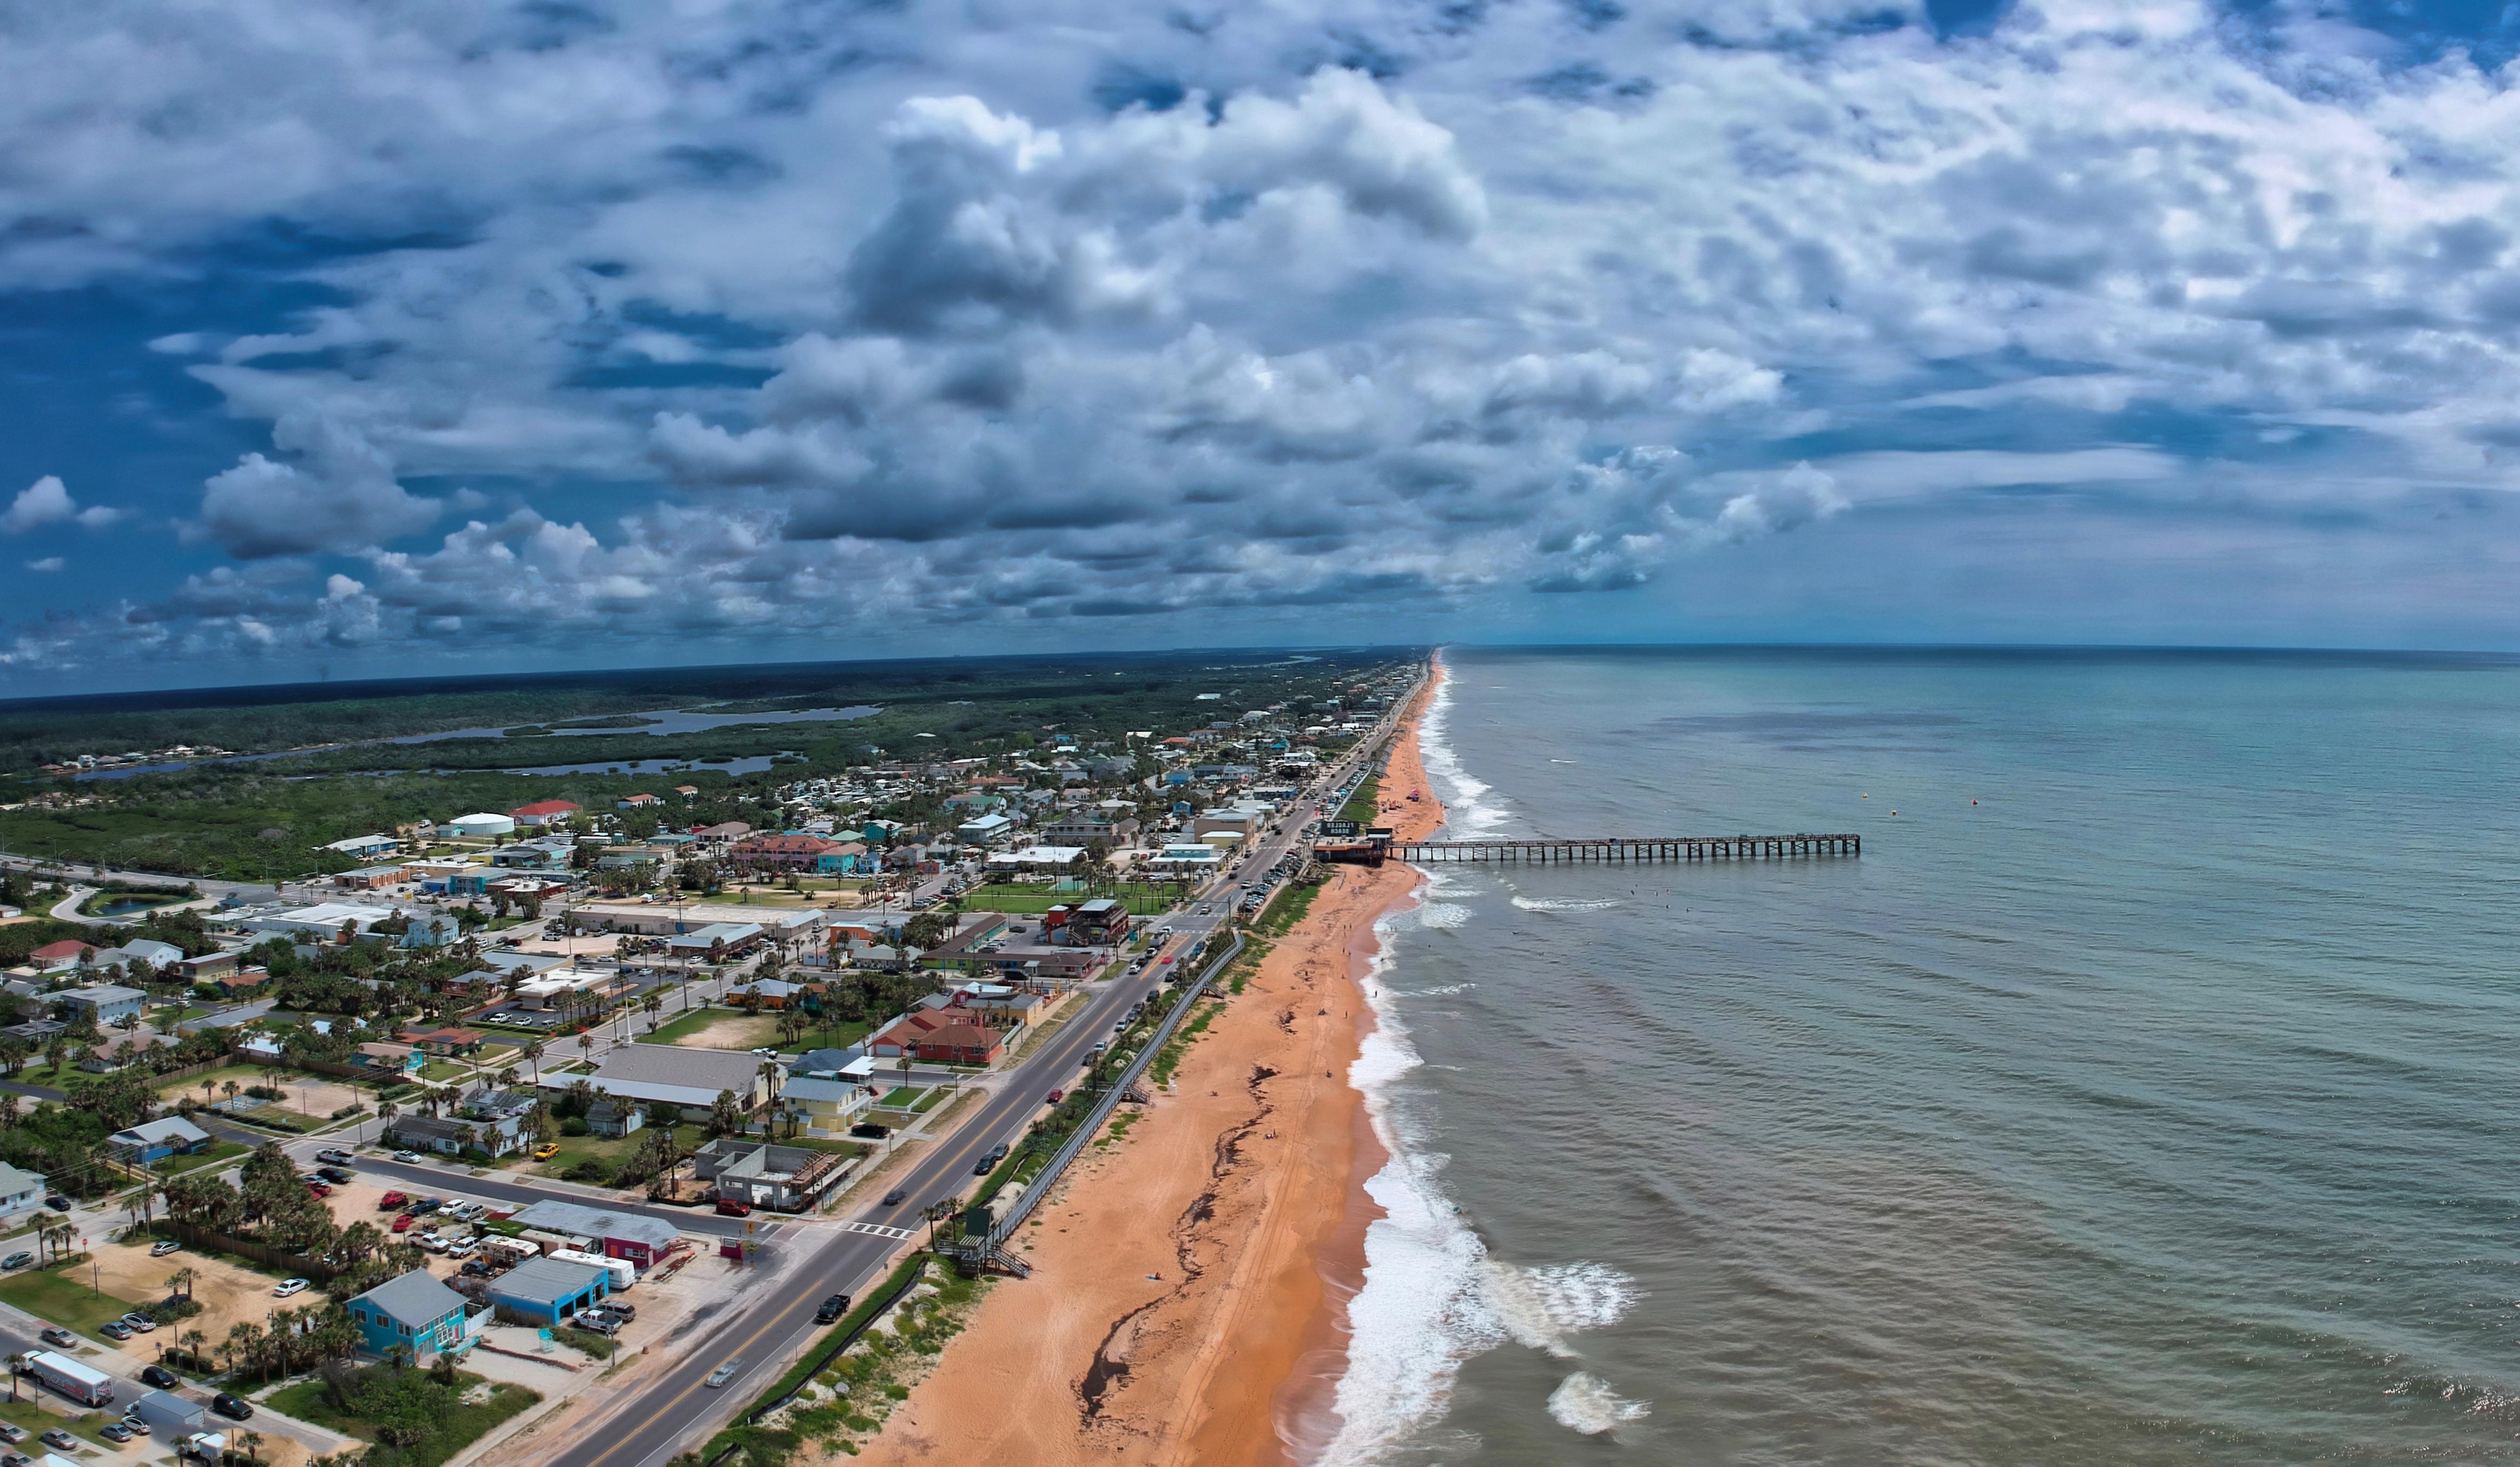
{"x": 1054, "y": 1096}
{"x": 728, "y": 1207}
{"x": 391, "y": 1200}
{"x": 320, "y": 1189}
{"x": 403, "y": 1224}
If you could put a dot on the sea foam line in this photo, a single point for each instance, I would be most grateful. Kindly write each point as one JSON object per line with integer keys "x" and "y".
{"x": 1467, "y": 810}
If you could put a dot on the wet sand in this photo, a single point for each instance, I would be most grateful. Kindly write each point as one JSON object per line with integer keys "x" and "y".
{"x": 1190, "y": 1282}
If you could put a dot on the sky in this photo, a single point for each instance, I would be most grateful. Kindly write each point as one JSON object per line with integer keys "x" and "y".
{"x": 362, "y": 338}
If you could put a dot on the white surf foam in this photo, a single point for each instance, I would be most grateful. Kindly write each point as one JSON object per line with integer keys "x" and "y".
{"x": 1467, "y": 813}
{"x": 1433, "y": 1296}
{"x": 1585, "y": 1403}
{"x": 1441, "y": 915}
{"x": 1544, "y": 903}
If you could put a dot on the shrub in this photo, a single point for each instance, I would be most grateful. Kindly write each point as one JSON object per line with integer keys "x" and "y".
{"x": 572, "y": 1126}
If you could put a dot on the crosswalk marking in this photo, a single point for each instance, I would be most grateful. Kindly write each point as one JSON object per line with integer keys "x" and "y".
{"x": 877, "y": 1228}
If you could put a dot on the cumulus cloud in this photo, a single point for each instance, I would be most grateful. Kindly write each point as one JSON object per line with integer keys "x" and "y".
{"x": 888, "y": 318}
{"x": 46, "y": 502}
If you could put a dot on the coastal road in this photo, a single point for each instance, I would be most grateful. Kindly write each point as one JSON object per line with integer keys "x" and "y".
{"x": 674, "y": 1412}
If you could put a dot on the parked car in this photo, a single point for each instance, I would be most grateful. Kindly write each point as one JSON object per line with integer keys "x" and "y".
{"x": 869, "y": 1130}
{"x": 619, "y": 1309}
{"x": 289, "y": 1288}
{"x": 15, "y": 1459}
{"x": 57, "y": 1203}
{"x": 406, "y": 1156}
{"x": 833, "y": 1309}
{"x": 337, "y": 1176}
{"x": 336, "y": 1155}
{"x": 728, "y": 1207}
{"x": 320, "y": 1189}
{"x": 232, "y": 1407}
{"x": 17, "y": 1260}
{"x": 10, "y": 1431}
{"x": 160, "y": 1377}
{"x": 60, "y": 1338}
{"x": 140, "y": 1321}
{"x": 546, "y": 1152}
{"x": 402, "y": 1223}
{"x": 139, "y": 1428}
{"x": 59, "y": 1440}
{"x": 723, "y": 1373}
{"x": 163, "y": 1247}
{"x": 430, "y": 1242}
{"x": 1055, "y": 1097}
{"x": 116, "y": 1432}
{"x": 422, "y": 1207}
{"x": 476, "y": 1267}
{"x": 392, "y": 1200}
{"x": 115, "y": 1329}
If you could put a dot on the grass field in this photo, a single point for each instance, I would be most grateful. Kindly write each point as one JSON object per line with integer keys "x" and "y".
{"x": 211, "y": 1155}
{"x": 456, "y": 1426}
{"x": 611, "y": 1151}
{"x": 1364, "y": 806}
{"x": 56, "y": 1295}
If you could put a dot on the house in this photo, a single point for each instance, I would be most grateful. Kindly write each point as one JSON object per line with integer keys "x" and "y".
{"x": 136, "y": 953}
{"x": 543, "y": 814}
{"x": 1005, "y": 1007}
{"x": 1186, "y": 859}
{"x": 243, "y": 984}
{"x": 689, "y": 792}
{"x": 940, "y": 1036}
{"x": 209, "y": 967}
{"x": 616, "y": 1118}
{"x": 479, "y": 825}
{"x": 372, "y": 878}
{"x": 634, "y": 1237}
{"x": 664, "y": 919}
{"x": 726, "y": 939}
{"x": 725, "y": 832}
{"x": 451, "y": 1040}
{"x": 827, "y": 1107}
{"x": 144, "y": 1144}
{"x": 986, "y": 829}
{"x": 391, "y": 1059}
{"x": 413, "y": 1312}
{"x": 101, "y": 1004}
{"x": 1100, "y": 922}
{"x": 638, "y": 802}
{"x": 19, "y": 1191}
{"x": 787, "y": 1179}
{"x": 550, "y": 1290}
{"x": 622, "y": 858}
{"x": 691, "y": 1079}
{"x": 68, "y": 953}
{"x": 363, "y": 847}
{"x": 453, "y": 1135}
{"x": 781, "y": 853}
{"x": 770, "y": 993}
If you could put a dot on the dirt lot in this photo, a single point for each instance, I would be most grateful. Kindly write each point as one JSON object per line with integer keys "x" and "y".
{"x": 228, "y": 1293}
{"x": 733, "y": 1031}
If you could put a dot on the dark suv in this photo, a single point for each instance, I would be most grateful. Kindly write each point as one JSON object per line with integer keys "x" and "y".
{"x": 833, "y": 1309}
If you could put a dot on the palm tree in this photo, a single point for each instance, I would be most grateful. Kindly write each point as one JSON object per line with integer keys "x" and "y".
{"x": 193, "y": 1340}
{"x": 16, "y": 1363}
{"x": 586, "y": 1045}
{"x": 533, "y": 1052}
{"x": 654, "y": 1003}
{"x": 181, "y": 1280}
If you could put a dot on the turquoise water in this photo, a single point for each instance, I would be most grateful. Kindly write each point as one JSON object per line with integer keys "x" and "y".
{"x": 2144, "y": 1093}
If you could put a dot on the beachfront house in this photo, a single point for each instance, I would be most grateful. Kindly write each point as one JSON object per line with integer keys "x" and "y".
{"x": 412, "y": 1310}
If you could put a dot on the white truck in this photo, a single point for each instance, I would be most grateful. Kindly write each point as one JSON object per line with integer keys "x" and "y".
{"x": 202, "y": 1446}
{"x": 77, "y": 1381}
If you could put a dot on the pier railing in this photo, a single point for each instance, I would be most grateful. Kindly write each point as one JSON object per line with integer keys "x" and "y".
{"x": 1632, "y": 849}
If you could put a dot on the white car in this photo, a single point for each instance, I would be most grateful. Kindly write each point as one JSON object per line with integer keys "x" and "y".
{"x": 429, "y": 1242}
{"x": 406, "y": 1156}
{"x": 290, "y": 1287}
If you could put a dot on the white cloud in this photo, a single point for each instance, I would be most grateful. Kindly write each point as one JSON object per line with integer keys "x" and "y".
{"x": 47, "y": 502}
{"x": 47, "y": 564}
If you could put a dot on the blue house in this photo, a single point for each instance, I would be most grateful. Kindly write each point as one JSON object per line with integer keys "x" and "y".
{"x": 145, "y": 1142}
{"x": 548, "y": 1290}
{"x": 414, "y": 1311}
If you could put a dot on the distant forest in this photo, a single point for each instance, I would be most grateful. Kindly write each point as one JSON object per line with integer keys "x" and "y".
{"x": 255, "y": 820}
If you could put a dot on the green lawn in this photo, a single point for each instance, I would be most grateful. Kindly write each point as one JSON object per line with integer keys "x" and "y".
{"x": 455, "y": 1426}
{"x": 1364, "y": 807}
{"x": 215, "y": 1153}
{"x": 35, "y": 1418}
{"x": 56, "y": 1295}
{"x": 439, "y": 1071}
{"x": 611, "y": 1151}
{"x": 838, "y": 1035}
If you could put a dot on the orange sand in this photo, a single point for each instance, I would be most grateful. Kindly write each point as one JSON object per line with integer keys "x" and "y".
{"x": 1183, "y": 1279}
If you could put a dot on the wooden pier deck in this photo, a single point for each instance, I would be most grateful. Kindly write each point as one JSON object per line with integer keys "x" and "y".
{"x": 1631, "y": 849}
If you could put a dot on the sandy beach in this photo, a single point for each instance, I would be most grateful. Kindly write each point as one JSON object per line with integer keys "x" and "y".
{"x": 1190, "y": 1282}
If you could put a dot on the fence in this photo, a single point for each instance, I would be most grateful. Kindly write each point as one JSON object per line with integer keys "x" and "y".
{"x": 261, "y": 1253}
{"x": 1004, "y": 1228}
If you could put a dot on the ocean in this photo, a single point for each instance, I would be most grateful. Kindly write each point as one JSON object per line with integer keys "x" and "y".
{"x": 2143, "y": 1093}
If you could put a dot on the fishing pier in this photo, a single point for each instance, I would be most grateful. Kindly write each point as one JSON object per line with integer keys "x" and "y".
{"x": 1376, "y": 846}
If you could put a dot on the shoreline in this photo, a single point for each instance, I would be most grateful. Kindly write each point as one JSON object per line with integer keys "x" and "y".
{"x": 1189, "y": 1290}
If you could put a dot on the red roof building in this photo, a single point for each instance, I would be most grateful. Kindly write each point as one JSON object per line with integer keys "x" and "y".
{"x": 783, "y": 853}
{"x": 67, "y": 950}
{"x": 939, "y": 1036}
{"x": 543, "y": 813}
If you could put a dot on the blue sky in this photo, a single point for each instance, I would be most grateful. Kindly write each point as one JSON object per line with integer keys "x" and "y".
{"x": 357, "y": 340}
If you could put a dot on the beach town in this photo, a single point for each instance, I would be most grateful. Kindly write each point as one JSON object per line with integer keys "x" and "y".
{"x": 510, "y": 1123}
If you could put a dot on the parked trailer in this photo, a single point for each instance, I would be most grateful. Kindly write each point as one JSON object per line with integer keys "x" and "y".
{"x": 624, "y": 1272}
{"x": 77, "y": 1381}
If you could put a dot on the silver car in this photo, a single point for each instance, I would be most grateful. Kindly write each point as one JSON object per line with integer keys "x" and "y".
{"x": 723, "y": 1373}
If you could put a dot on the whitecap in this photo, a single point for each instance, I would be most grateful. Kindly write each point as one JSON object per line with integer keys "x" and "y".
{"x": 1544, "y": 903}
{"x": 1585, "y": 1403}
{"x": 1467, "y": 815}
{"x": 1442, "y": 916}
